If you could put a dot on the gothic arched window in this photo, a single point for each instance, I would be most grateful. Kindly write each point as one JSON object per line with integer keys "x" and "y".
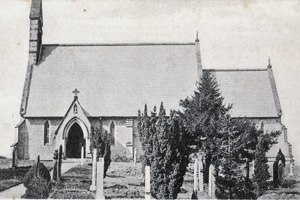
{"x": 75, "y": 109}
{"x": 46, "y": 132}
{"x": 112, "y": 132}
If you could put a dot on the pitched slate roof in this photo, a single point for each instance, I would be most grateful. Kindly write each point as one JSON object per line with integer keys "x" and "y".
{"x": 118, "y": 79}
{"x": 113, "y": 80}
{"x": 252, "y": 92}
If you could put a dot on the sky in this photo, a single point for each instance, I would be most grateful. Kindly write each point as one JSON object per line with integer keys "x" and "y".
{"x": 233, "y": 34}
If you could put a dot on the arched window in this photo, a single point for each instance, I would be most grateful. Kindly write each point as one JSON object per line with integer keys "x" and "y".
{"x": 75, "y": 109}
{"x": 46, "y": 132}
{"x": 112, "y": 132}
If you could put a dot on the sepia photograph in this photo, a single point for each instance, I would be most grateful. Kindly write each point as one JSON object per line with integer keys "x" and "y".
{"x": 141, "y": 99}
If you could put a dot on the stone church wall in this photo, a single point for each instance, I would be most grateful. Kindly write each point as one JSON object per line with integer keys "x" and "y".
{"x": 282, "y": 142}
{"x": 123, "y": 137}
{"x": 31, "y": 138}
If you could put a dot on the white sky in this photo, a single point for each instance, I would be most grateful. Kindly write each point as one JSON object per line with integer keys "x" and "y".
{"x": 233, "y": 34}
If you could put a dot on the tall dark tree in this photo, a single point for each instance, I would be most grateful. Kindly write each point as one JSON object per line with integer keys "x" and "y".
{"x": 261, "y": 172}
{"x": 202, "y": 114}
{"x": 102, "y": 142}
{"x": 165, "y": 145}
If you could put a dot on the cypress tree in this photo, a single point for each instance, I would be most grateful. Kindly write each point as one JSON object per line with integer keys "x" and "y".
{"x": 202, "y": 116}
{"x": 164, "y": 142}
{"x": 102, "y": 142}
{"x": 261, "y": 172}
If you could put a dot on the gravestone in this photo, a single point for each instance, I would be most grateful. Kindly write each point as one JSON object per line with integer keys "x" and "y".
{"x": 59, "y": 163}
{"x": 200, "y": 172}
{"x": 15, "y": 157}
{"x": 100, "y": 177}
{"x": 211, "y": 182}
{"x": 94, "y": 172}
{"x": 195, "y": 175}
{"x": 291, "y": 169}
{"x": 82, "y": 156}
{"x": 134, "y": 158}
{"x": 280, "y": 172}
{"x": 37, "y": 169}
{"x": 55, "y": 157}
{"x": 147, "y": 183}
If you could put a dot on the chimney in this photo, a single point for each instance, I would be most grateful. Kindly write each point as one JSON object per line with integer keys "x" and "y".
{"x": 198, "y": 55}
{"x": 36, "y": 32}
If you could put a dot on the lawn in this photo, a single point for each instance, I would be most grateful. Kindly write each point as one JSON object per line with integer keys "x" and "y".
{"x": 11, "y": 177}
{"x": 122, "y": 181}
{"x": 75, "y": 184}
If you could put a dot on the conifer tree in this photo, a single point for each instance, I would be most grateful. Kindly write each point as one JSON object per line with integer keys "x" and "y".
{"x": 201, "y": 116}
{"x": 101, "y": 141}
{"x": 165, "y": 145}
{"x": 261, "y": 172}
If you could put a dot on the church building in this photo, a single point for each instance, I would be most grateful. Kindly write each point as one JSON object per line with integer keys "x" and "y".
{"x": 70, "y": 88}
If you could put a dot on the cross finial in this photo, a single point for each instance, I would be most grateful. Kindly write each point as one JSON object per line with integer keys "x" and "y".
{"x": 197, "y": 39}
{"x": 269, "y": 60}
{"x": 76, "y": 92}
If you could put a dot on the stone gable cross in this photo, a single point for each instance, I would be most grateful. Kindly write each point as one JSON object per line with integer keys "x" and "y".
{"x": 76, "y": 92}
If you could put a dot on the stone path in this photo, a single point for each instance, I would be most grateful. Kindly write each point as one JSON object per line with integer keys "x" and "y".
{"x": 17, "y": 191}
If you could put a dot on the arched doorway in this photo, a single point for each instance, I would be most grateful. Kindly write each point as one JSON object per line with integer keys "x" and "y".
{"x": 74, "y": 142}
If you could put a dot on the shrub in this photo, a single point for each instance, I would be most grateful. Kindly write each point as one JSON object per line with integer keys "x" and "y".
{"x": 101, "y": 141}
{"x": 38, "y": 187}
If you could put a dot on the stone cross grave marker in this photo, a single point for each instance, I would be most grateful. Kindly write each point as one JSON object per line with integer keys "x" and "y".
{"x": 94, "y": 172}
{"x": 147, "y": 183}
{"x": 100, "y": 176}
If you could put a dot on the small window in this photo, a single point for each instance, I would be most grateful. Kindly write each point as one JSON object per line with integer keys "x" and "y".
{"x": 46, "y": 132}
{"x": 112, "y": 132}
{"x": 75, "y": 109}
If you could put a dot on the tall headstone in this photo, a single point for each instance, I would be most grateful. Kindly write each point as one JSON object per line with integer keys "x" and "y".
{"x": 291, "y": 169}
{"x": 94, "y": 172}
{"x": 55, "y": 157}
{"x": 211, "y": 182}
{"x": 201, "y": 186}
{"x": 15, "y": 157}
{"x": 147, "y": 183}
{"x": 195, "y": 175}
{"x": 82, "y": 156}
{"x": 59, "y": 163}
{"x": 37, "y": 164}
{"x": 134, "y": 158}
{"x": 100, "y": 176}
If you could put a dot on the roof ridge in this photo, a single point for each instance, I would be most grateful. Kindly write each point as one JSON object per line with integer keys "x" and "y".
{"x": 248, "y": 69}
{"x": 122, "y": 44}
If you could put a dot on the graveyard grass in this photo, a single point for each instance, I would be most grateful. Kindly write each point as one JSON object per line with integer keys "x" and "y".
{"x": 122, "y": 181}
{"x": 12, "y": 177}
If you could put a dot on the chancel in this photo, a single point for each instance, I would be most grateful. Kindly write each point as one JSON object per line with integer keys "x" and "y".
{"x": 111, "y": 82}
